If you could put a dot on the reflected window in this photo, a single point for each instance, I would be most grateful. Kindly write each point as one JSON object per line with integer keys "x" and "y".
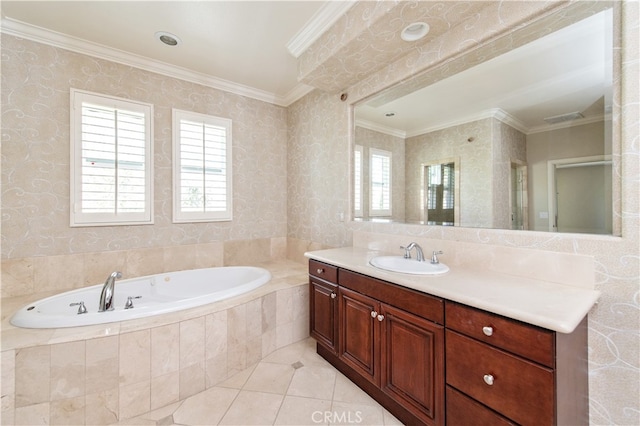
{"x": 440, "y": 196}
{"x": 357, "y": 180}
{"x": 380, "y": 184}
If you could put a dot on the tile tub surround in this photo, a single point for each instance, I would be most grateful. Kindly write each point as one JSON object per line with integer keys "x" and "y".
{"x": 103, "y": 374}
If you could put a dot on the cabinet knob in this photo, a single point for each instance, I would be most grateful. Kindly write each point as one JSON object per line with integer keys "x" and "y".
{"x": 374, "y": 314}
{"x": 333, "y": 295}
{"x": 488, "y": 331}
{"x": 319, "y": 270}
{"x": 380, "y": 317}
{"x": 488, "y": 379}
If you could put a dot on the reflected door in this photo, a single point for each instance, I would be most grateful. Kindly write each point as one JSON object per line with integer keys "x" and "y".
{"x": 582, "y": 197}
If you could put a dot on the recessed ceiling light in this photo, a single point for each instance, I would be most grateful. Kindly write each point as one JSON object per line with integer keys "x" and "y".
{"x": 415, "y": 31}
{"x": 168, "y": 38}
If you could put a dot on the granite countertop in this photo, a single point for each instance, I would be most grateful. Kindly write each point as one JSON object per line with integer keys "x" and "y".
{"x": 545, "y": 304}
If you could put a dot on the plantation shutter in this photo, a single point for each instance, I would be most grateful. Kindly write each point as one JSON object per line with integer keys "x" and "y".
{"x": 112, "y": 161}
{"x": 202, "y": 154}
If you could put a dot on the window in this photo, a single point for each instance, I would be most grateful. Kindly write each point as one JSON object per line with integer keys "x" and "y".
{"x": 111, "y": 160}
{"x": 380, "y": 164}
{"x": 201, "y": 167}
{"x": 440, "y": 193}
{"x": 357, "y": 181}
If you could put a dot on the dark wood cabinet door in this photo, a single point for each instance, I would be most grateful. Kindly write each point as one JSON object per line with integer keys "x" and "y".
{"x": 359, "y": 334}
{"x": 412, "y": 361}
{"x": 323, "y": 313}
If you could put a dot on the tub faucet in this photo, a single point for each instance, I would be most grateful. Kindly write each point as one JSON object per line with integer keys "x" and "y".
{"x": 411, "y": 246}
{"x": 106, "y": 296}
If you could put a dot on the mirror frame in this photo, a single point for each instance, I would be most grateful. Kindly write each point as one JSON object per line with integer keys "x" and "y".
{"x": 536, "y": 27}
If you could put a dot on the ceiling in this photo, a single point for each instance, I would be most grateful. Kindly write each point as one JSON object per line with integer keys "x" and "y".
{"x": 238, "y": 46}
{"x": 563, "y": 72}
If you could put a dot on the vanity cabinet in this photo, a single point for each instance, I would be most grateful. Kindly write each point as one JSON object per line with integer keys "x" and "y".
{"x": 391, "y": 343}
{"x": 504, "y": 371}
{"x": 432, "y": 361}
{"x": 323, "y": 304}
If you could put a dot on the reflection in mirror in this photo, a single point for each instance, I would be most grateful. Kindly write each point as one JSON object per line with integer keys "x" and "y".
{"x": 441, "y": 197}
{"x": 506, "y": 123}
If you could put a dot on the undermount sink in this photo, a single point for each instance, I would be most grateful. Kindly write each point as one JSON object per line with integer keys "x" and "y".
{"x": 408, "y": 266}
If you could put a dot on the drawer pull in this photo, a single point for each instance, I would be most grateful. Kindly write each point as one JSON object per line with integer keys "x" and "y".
{"x": 374, "y": 314}
{"x": 319, "y": 270}
{"x": 380, "y": 318}
{"x": 488, "y": 379}
{"x": 488, "y": 331}
{"x": 333, "y": 295}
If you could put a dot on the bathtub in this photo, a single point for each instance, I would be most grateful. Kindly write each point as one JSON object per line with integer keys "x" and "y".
{"x": 150, "y": 295}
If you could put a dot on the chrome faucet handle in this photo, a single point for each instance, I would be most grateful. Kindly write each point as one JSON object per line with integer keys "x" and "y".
{"x": 407, "y": 251}
{"x": 129, "y": 302}
{"x": 434, "y": 257}
{"x": 81, "y": 308}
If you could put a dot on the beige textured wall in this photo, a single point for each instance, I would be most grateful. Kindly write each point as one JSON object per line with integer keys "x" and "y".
{"x": 35, "y": 155}
{"x": 509, "y": 145}
{"x": 614, "y": 357}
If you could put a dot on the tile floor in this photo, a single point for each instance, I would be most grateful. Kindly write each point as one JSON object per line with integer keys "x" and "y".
{"x": 292, "y": 386}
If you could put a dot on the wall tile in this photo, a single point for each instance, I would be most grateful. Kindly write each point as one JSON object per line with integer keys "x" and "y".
{"x": 135, "y": 358}
{"x": 192, "y": 379}
{"x": 192, "y": 337}
{"x": 165, "y": 389}
{"x": 134, "y": 399}
{"x": 165, "y": 350}
{"x": 102, "y": 364}
{"x": 216, "y": 335}
{"x": 70, "y": 411}
{"x": 31, "y": 415}
{"x": 99, "y": 265}
{"x": 32, "y": 373}
{"x": 17, "y": 277}
{"x": 68, "y": 373}
{"x": 101, "y": 408}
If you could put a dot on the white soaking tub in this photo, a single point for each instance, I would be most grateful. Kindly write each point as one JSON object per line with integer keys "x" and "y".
{"x": 150, "y": 295}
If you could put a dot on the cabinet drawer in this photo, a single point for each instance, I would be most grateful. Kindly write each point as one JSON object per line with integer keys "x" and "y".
{"x": 516, "y": 388}
{"x": 418, "y": 303}
{"x": 324, "y": 271}
{"x": 462, "y": 410}
{"x": 534, "y": 343}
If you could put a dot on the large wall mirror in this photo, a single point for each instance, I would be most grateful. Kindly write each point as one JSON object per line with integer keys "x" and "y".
{"x": 520, "y": 141}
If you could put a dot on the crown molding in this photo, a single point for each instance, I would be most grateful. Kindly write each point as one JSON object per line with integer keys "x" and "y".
{"x": 496, "y": 113}
{"x": 365, "y": 124}
{"x": 41, "y": 35}
{"x": 319, "y": 23}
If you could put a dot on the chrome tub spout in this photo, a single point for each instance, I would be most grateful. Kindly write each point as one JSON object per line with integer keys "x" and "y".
{"x": 106, "y": 296}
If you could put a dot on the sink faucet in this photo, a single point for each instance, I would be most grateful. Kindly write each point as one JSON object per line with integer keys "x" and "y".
{"x": 106, "y": 297}
{"x": 407, "y": 252}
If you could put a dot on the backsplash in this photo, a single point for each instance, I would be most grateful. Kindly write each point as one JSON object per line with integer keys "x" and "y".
{"x": 38, "y": 274}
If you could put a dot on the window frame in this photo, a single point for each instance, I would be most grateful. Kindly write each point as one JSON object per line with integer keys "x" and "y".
{"x": 180, "y": 216}
{"x": 375, "y": 211}
{"x": 78, "y": 218}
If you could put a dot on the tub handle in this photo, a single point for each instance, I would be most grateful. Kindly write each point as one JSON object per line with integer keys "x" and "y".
{"x": 129, "y": 303}
{"x": 81, "y": 308}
